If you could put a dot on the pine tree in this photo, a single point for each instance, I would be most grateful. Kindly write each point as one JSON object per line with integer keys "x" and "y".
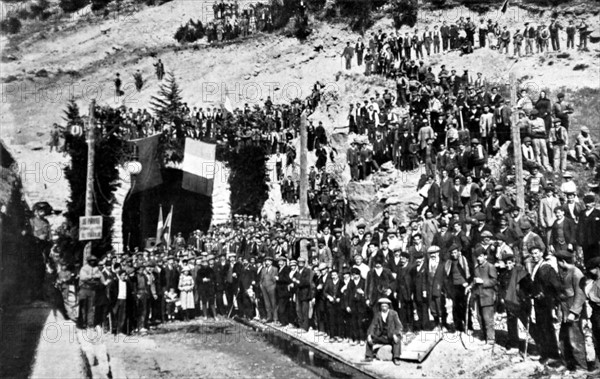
{"x": 167, "y": 107}
{"x": 139, "y": 80}
{"x": 167, "y": 104}
{"x": 71, "y": 114}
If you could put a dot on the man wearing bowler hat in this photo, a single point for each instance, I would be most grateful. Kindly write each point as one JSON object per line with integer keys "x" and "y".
{"x": 385, "y": 329}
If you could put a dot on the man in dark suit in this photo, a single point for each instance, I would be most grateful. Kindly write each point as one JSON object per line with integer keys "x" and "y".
{"x": 385, "y": 329}
{"x": 246, "y": 295}
{"x": 332, "y": 293}
{"x": 169, "y": 278}
{"x": 546, "y": 285}
{"x": 268, "y": 278}
{"x": 419, "y": 279}
{"x": 483, "y": 287}
{"x": 282, "y": 291}
{"x": 403, "y": 292}
{"x": 587, "y": 229}
{"x": 355, "y": 304}
{"x": 340, "y": 249}
{"x": 563, "y": 234}
{"x": 445, "y": 32}
{"x": 304, "y": 294}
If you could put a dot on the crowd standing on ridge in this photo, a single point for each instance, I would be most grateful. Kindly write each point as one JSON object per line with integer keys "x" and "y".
{"x": 386, "y": 53}
{"x": 230, "y": 22}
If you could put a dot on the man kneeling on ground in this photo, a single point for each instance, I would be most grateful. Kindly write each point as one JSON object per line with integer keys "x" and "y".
{"x": 385, "y": 329}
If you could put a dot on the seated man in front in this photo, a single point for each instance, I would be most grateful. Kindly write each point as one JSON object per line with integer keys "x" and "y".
{"x": 385, "y": 329}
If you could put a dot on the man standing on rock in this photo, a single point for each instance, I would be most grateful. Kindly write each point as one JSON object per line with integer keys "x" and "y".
{"x": 385, "y": 329}
{"x": 348, "y": 53}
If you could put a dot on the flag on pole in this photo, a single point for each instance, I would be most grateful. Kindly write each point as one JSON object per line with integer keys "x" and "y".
{"x": 150, "y": 176}
{"x": 198, "y": 167}
{"x": 159, "y": 226}
{"x": 166, "y": 234}
{"x": 504, "y": 6}
{"x": 227, "y": 106}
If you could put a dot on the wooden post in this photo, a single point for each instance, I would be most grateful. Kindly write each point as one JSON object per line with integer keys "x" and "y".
{"x": 516, "y": 141}
{"x": 89, "y": 189}
{"x": 304, "y": 213}
{"x": 303, "y": 163}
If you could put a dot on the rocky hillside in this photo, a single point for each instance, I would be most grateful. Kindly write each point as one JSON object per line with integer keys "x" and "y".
{"x": 79, "y": 57}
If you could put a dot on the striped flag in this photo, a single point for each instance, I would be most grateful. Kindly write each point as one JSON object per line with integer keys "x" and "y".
{"x": 166, "y": 234}
{"x": 504, "y": 6}
{"x": 159, "y": 226}
{"x": 198, "y": 167}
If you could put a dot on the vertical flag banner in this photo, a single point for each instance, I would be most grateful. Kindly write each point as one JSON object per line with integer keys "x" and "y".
{"x": 150, "y": 176}
{"x": 159, "y": 226}
{"x": 198, "y": 167}
{"x": 167, "y": 228}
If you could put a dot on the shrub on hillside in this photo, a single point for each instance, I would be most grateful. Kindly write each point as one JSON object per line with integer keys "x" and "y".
{"x": 358, "y": 10}
{"x": 40, "y": 10}
{"x": 298, "y": 27}
{"x": 71, "y": 6}
{"x": 10, "y": 25}
{"x": 190, "y": 32}
{"x": 404, "y": 12}
{"x": 99, "y": 4}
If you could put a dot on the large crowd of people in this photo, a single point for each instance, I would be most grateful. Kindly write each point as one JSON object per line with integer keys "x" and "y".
{"x": 468, "y": 245}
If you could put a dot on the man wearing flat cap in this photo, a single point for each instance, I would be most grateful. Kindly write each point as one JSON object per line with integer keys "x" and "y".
{"x": 340, "y": 249}
{"x": 588, "y": 227}
{"x": 384, "y": 329}
{"x": 571, "y": 302}
{"x": 530, "y": 239}
{"x": 458, "y": 277}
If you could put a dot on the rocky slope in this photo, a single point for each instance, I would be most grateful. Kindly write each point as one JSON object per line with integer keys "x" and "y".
{"x": 80, "y": 57}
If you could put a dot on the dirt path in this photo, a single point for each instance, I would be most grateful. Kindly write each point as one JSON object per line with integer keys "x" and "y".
{"x": 202, "y": 350}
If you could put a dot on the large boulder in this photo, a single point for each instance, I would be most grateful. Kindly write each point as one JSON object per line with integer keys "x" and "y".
{"x": 362, "y": 199}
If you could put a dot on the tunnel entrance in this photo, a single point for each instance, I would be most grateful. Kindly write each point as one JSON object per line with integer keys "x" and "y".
{"x": 191, "y": 210}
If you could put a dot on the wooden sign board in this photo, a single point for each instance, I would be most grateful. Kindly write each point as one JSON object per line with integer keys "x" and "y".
{"x": 306, "y": 228}
{"x": 90, "y": 228}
